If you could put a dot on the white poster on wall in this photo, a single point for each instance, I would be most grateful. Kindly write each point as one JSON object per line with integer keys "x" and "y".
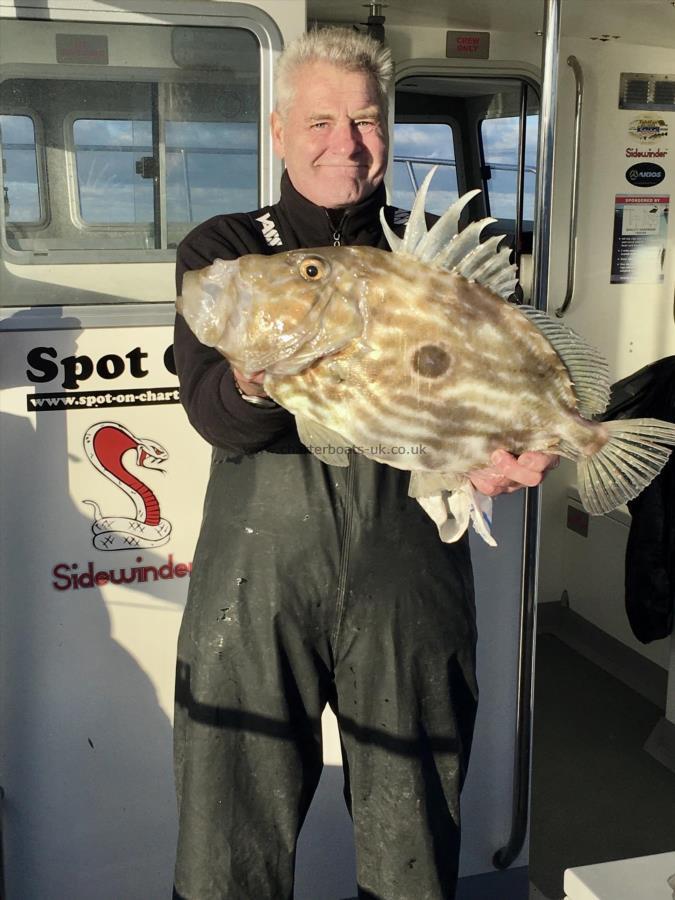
{"x": 640, "y": 239}
{"x": 101, "y": 480}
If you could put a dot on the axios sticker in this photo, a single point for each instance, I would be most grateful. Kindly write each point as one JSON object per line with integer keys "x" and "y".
{"x": 107, "y": 446}
{"x": 648, "y": 129}
{"x": 645, "y": 175}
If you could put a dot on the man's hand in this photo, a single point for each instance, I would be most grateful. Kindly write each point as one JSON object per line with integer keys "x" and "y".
{"x": 508, "y": 474}
{"x": 252, "y": 386}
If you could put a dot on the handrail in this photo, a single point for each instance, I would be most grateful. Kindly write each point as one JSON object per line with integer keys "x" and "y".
{"x": 573, "y": 62}
{"x": 520, "y": 182}
{"x": 437, "y": 161}
{"x": 523, "y": 738}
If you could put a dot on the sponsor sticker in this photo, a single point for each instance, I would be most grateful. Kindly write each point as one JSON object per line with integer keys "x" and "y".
{"x": 648, "y": 129}
{"x": 98, "y": 447}
{"x": 637, "y": 153}
{"x": 645, "y": 174}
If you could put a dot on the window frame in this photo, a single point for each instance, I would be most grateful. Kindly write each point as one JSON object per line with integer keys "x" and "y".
{"x": 70, "y": 149}
{"x": 41, "y": 170}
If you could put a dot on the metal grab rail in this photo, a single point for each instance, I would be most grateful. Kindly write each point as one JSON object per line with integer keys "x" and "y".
{"x": 523, "y": 738}
{"x": 434, "y": 161}
{"x": 438, "y": 161}
{"x": 573, "y": 62}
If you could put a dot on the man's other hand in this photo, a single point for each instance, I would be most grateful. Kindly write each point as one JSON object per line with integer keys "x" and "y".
{"x": 508, "y": 473}
{"x": 252, "y": 386}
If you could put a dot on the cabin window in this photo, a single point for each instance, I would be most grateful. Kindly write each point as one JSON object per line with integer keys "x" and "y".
{"x": 417, "y": 147}
{"x": 499, "y": 143}
{"x": 211, "y": 168}
{"x": 110, "y": 188}
{"x": 21, "y": 186}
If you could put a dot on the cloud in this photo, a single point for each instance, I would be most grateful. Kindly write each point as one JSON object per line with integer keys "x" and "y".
{"x": 432, "y": 140}
{"x": 500, "y": 140}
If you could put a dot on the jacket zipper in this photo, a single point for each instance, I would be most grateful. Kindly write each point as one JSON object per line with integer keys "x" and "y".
{"x": 337, "y": 232}
{"x": 349, "y": 502}
{"x": 345, "y": 552}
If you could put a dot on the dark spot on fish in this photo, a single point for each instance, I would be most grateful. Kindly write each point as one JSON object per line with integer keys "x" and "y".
{"x": 431, "y": 361}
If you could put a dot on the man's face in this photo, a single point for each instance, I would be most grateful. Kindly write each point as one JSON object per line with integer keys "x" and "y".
{"x": 333, "y": 137}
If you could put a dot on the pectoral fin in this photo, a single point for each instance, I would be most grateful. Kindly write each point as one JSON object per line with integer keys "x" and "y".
{"x": 326, "y": 444}
{"x": 452, "y": 502}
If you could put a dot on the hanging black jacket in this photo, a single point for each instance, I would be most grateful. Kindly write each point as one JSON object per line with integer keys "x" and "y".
{"x": 650, "y": 553}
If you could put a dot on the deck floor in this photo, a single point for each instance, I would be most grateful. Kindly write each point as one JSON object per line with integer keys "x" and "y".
{"x": 597, "y": 795}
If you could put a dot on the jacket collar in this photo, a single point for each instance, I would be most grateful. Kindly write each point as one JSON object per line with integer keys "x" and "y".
{"x": 360, "y": 224}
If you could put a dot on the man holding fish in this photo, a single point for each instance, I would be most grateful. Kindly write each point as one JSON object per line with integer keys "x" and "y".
{"x": 315, "y": 583}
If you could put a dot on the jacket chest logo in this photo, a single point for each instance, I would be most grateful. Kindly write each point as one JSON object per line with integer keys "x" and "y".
{"x": 269, "y": 230}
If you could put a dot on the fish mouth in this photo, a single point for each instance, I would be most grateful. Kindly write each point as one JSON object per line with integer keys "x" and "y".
{"x": 210, "y": 301}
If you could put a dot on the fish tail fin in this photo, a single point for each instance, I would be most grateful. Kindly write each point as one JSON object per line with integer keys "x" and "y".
{"x": 629, "y": 461}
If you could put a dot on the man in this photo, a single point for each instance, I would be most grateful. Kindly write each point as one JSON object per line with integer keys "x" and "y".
{"x": 313, "y": 584}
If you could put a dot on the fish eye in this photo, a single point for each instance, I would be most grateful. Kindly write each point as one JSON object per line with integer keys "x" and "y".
{"x": 313, "y": 269}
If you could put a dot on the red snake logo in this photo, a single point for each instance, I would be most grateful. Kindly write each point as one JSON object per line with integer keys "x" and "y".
{"x": 106, "y": 445}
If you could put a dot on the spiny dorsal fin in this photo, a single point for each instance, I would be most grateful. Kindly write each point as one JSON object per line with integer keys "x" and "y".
{"x": 444, "y": 247}
{"x": 393, "y": 239}
{"x": 587, "y": 367}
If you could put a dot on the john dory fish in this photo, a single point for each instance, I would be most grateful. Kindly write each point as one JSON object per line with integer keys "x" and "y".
{"x": 416, "y": 359}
